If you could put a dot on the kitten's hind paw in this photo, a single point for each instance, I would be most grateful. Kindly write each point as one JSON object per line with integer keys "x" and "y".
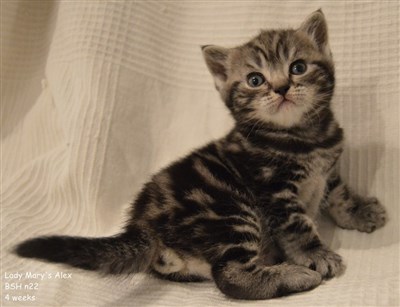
{"x": 298, "y": 278}
{"x": 369, "y": 214}
{"x": 323, "y": 260}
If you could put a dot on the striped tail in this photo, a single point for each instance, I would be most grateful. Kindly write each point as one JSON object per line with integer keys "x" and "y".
{"x": 129, "y": 252}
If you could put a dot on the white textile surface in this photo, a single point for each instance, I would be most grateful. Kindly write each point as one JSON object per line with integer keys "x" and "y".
{"x": 97, "y": 95}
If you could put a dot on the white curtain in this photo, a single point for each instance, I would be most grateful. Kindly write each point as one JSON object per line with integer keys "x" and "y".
{"x": 97, "y": 95}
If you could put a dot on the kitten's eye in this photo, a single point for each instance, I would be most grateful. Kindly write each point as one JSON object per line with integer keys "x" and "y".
{"x": 298, "y": 67}
{"x": 255, "y": 79}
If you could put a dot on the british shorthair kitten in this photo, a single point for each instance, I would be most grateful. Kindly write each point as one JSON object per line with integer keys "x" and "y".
{"x": 241, "y": 210}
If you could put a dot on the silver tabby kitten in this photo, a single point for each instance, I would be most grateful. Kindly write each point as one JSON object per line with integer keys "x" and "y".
{"x": 240, "y": 210}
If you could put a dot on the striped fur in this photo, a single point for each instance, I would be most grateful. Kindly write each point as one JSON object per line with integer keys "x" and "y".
{"x": 241, "y": 210}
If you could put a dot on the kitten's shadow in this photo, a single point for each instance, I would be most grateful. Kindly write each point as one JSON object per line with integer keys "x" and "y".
{"x": 361, "y": 176}
{"x": 337, "y": 238}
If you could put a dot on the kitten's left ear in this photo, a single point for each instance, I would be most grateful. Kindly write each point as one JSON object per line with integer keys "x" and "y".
{"x": 316, "y": 28}
{"x": 216, "y": 59}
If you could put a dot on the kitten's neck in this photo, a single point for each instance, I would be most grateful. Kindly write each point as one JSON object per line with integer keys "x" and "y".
{"x": 314, "y": 130}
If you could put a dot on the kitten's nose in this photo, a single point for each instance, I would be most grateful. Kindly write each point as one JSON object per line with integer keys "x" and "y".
{"x": 282, "y": 90}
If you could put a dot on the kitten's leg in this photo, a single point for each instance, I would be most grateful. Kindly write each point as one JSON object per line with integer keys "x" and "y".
{"x": 297, "y": 236}
{"x": 238, "y": 274}
{"x": 178, "y": 277}
{"x": 351, "y": 211}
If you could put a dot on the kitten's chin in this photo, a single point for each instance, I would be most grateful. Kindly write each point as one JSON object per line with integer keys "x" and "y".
{"x": 285, "y": 105}
{"x": 287, "y": 114}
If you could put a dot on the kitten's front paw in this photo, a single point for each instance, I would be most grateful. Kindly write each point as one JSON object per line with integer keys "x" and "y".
{"x": 323, "y": 260}
{"x": 369, "y": 215}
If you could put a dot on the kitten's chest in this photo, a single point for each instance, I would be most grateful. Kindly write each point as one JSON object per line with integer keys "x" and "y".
{"x": 311, "y": 189}
{"x": 311, "y": 192}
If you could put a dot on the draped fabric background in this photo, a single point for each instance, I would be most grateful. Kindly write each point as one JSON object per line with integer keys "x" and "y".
{"x": 97, "y": 95}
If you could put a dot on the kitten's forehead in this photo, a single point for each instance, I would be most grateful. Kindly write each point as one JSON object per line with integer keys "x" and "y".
{"x": 276, "y": 46}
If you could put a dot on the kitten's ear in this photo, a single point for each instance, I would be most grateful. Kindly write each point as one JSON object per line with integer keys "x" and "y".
{"x": 315, "y": 27}
{"x": 216, "y": 59}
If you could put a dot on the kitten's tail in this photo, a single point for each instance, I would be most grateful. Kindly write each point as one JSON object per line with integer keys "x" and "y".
{"x": 129, "y": 252}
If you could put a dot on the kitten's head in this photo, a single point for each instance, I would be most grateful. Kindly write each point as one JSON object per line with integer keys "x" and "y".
{"x": 281, "y": 77}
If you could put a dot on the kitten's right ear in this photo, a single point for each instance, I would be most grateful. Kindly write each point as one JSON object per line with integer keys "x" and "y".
{"x": 216, "y": 59}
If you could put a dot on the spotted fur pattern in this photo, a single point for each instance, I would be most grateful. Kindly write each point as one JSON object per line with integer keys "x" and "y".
{"x": 241, "y": 210}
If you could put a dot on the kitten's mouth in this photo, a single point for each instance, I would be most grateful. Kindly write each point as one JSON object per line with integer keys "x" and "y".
{"x": 284, "y": 104}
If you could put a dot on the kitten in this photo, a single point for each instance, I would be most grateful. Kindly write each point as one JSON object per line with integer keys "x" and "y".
{"x": 240, "y": 210}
